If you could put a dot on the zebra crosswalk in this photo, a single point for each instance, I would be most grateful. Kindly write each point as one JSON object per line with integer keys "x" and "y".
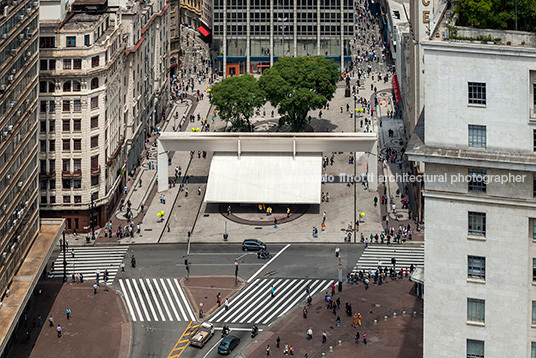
{"x": 405, "y": 254}
{"x": 156, "y": 299}
{"x": 255, "y": 305}
{"x": 86, "y": 260}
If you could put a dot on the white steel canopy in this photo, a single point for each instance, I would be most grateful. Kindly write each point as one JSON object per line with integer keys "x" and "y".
{"x": 274, "y": 168}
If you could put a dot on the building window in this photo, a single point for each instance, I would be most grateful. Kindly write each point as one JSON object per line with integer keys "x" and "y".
{"x": 534, "y": 185}
{"x": 86, "y": 40}
{"x": 67, "y": 200}
{"x": 94, "y": 122}
{"x": 43, "y": 145}
{"x": 67, "y": 86}
{"x": 94, "y": 180}
{"x": 66, "y": 127}
{"x": 66, "y": 183}
{"x": 477, "y": 180}
{"x": 534, "y": 140}
{"x": 94, "y": 102}
{"x": 43, "y": 200}
{"x": 475, "y": 349}
{"x": 95, "y": 141}
{"x": 476, "y": 267}
{"x": 66, "y": 105}
{"x": 66, "y": 165}
{"x": 77, "y": 125}
{"x": 52, "y": 145}
{"x": 52, "y": 167}
{"x": 66, "y": 145}
{"x": 77, "y": 145}
{"x": 67, "y": 64}
{"x": 43, "y": 125}
{"x": 477, "y": 136}
{"x": 71, "y": 41}
{"x": 477, "y": 224}
{"x": 47, "y": 42}
{"x": 76, "y": 86}
{"x": 533, "y": 312}
{"x": 43, "y": 65}
{"x": 533, "y": 270}
{"x": 77, "y": 105}
{"x": 94, "y": 83}
{"x": 52, "y": 199}
{"x": 95, "y": 61}
{"x": 77, "y": 199}
{"x": 533, "y": 350}
{"x": 477, "y": 93}
{"x": 77, "y": 184}
{"x": 476, "y": 310}
{"x": 95, "y": 162}
{"x": 532, "y": 226}
{"x": 77, "y": 64}
{"x": 52, "y": 108}
{"x": 77, "y": 165}
{"x": 43, "y": 107}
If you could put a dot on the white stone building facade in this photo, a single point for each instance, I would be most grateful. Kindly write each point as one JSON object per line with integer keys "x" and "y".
{"x": 81, "y": 94}
{"x": 480, "y": 237}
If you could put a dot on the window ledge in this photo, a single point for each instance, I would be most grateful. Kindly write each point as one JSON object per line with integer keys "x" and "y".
{"x": 477, "y": 280}
{"x": 473, "y": 323}
{"x": 476, "y": 105}
{"x": 474, "y": 237}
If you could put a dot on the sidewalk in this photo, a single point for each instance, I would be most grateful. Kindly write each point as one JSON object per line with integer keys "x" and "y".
{"x": 98, "y": 325}
{"x": 399, "y": 336}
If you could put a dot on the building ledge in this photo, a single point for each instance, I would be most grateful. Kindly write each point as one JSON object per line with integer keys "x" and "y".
{"x": 476, "y": 238}
{"x": 476, "y": 280}
{"x": 479, "y": 324}
{"x": 488, "y": 199}
{"x": 28, "y": 275}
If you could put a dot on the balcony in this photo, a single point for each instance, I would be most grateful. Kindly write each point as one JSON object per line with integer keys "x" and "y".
{"x": 69, "y": 174}
{"x": 47, "y": 174}
{"x": 96, "y": 170}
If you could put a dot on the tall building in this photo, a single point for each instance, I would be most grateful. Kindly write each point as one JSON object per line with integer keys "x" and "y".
{"x": 25, "y": 242}
{"x": 250, "y": 35}
{"x": 479, "y": 152}
{"x": 190, "y": 12}
{"x": 174, "y": 36}
{"x": 81, "y": 105}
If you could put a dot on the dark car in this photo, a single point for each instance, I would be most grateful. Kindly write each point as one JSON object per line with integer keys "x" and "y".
{"x": 253, "y": 245}
{"x": 228, "y": 344}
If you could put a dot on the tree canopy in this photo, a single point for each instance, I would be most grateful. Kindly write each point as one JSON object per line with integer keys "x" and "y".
{"x": 497, "y": 14}
{"x": 299, "y": 84}
{"x": 236, "y": 98}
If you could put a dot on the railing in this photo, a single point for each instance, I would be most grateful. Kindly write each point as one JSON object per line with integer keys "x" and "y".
{"x": 96, "y": 170}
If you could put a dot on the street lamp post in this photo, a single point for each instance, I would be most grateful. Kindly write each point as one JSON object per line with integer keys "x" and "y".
{"x": 92, "y": 222}
{"x": 355, "y": 189}
{"x": 283, "y": 27}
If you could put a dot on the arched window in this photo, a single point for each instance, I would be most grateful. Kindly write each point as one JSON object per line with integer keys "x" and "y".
{"x": 67, "y": 86}
{"x": 76, "y": 86}
{"x": 94, "y": 83}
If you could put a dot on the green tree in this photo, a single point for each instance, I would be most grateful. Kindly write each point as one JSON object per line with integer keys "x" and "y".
{"x": 299, "y": 84}
{"x": 236, "y": 99}
{"x": 497, "y": 14}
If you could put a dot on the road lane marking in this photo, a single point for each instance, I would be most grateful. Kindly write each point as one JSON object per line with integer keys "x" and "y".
{"x": 187, "y": 332}
{"x": 266, "y": 264}
{"x": 188, "y": 308}
{"x": 148, "y": 300}
{"x": 135, "y": 302}
{"x": 177, "y": 299}
{"x": 162, "y": 299}
{"x": 162, "y": 282}
{"x": 127, "y": 300}
{"x": 141, "y": 300}
{"x": 151, "y": 289}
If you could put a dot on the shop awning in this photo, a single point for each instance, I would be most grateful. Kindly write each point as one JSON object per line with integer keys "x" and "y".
{"x": 396, "y": 88}
{"x": 418, "y": 275}
{"x": 275, "y": 178}
{"x": 203, "y": 30}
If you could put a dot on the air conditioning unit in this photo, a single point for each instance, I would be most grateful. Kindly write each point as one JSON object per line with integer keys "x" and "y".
{"x": 13, "y": 71}
{"x": 29, "y": 36}
{"x": 15, "y": 3}
{"x": 17, "y": 239}
{"x": 21, "y": 37}
{"x": 19, "y": 113}
{"x": 12, "y": 248}
{"x": 13, "y": 51}
{"x": 10, "y": 127}
{"x": 20, "y": 184}
{"x": 35, "y": 4}
{"x": 19, "y": 214}
{"x": 5, "y": 133}
{"x": 2, "y": 88}
{"x": 8, "y": 177}
{"x": 6, "y": 11}
{"x": 14, "y": 222}
{"x": 21, "y": 17}
{"x": 26, "y": 205}
{"x": 8, "y": 293}
{"x": 29, "y": 53}
{"x": 11, "y": 104}
{"x": 10, "y": 78}
{"x": 4, "y": 255}
{"x": 4, "y": 207}
{"x": 4, "y": 36}
{"x": 28, "y": 10}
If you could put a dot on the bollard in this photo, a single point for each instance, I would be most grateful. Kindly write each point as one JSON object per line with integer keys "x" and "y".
{"x": 385, "y": 318}
{"x": 375, "y": 322}
{"x": 340, "y": 343}
{"x": 403, "y": 313}
{"x": 330, "y": 349}
{"x": 323, "y": 354}
{"x": 394, "y": 315}
{"x": 414, "y": 314}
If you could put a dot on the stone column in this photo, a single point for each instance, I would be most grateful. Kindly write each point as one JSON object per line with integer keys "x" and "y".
{"x": 318, "y": 28}
{"x": 372, "y": 167}
{"x": 272, "y": 32}
{"x": 162, "y": 168}
{"x": 295, "y": 25}
{"x": 342, "y": 34}
{"x": 224, "y": 39}
{"x": 248, "y": 34}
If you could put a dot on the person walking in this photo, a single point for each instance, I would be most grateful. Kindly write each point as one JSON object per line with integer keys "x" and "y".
{"x": 305, "y": 312}
{"x": 277, "y": 342}
{"x": 272, "y": 291}
{"x": 309, "y": 334}
{"x": 365, "y": 338}
{"x": 95, "y": 286}
{"x": 324, "y": 337}
{"x": 275, "y": 223}
{"x": 68, "y": 313}
{"x": 218, "y": 299}
{"x": 51, "y": 321}
{"x": 268, "y": 350}
{"x": 332, "y": 289}
{"x": 122, "y": 267}
{"x": 226, "y": 304}
{"x": 355, "y": 320}
{"x": 357, "y": 338}
{"x": 359, "y": 319}
{"x": 58, "y": 329}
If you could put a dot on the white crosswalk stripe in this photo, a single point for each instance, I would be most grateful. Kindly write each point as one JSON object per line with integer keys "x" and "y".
{"x": 255, "y": 304}
{"x": 405, "y": 254}
{"x": 155, "y": 292}
{"x": 87, "y": 260}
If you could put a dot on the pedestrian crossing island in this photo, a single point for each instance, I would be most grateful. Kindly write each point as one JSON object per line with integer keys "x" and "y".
{"x": 255, "y": 304}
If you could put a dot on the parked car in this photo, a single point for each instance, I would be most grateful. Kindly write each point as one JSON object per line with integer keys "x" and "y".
{"x": 204, "y": 332}
{"x": 253, "y": 245}
{"x": 228, "y": 344}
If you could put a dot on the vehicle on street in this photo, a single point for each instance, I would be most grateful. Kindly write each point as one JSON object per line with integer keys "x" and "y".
{"x": 253, "y": 245}
{"x": 201, "y": 336}
{"x": 228, "y": 344}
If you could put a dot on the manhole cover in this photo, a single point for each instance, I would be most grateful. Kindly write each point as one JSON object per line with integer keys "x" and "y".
{"x": 148, "y": 230}
{"x": 206, "y": 215}
{"x": 258, "y": 228}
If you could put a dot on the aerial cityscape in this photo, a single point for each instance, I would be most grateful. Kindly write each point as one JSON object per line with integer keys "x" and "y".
{"x": 198, "y": 178}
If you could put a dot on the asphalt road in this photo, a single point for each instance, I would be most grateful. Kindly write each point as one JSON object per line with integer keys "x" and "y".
{"x": 158, "y": 338}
